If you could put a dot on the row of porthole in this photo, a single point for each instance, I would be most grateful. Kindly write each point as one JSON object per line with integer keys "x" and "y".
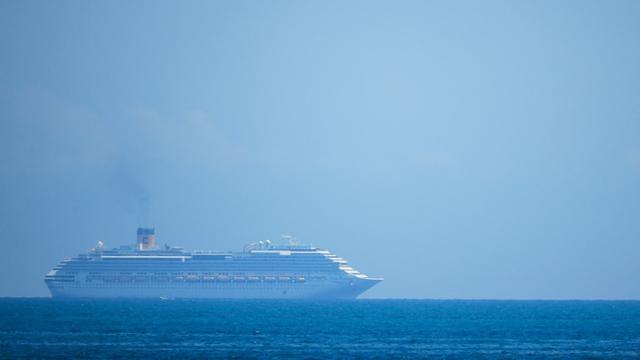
{"x": 192, "y": 278}
{"x": 190, "y": 285}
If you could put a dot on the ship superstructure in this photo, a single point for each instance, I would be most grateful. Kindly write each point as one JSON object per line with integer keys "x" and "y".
{"x": 261, "y": 270}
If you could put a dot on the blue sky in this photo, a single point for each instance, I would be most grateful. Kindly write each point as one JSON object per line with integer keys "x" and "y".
{"x": 458, "y": 149}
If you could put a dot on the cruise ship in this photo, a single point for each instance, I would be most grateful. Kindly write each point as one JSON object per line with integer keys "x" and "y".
{"x": 261, "y": 271}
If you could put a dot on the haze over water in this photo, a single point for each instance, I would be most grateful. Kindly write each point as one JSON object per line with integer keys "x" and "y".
{"x": 459, "y": 150}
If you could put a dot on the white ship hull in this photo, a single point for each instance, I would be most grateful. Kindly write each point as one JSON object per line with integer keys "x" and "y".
{"x": 261, "y": 271}
{"x": 222, "y": 290}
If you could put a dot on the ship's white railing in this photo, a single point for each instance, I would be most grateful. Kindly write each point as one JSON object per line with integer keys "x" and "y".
{"x": 146, "y": 257}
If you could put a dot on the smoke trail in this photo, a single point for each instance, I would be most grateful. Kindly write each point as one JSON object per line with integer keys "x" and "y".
{"x": 144, "y": 211}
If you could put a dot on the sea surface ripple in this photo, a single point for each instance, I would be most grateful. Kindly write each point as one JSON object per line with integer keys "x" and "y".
{"x": 261, "y": 329}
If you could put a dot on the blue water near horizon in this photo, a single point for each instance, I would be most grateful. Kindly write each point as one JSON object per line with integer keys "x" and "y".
{"x": 403, "y": 329}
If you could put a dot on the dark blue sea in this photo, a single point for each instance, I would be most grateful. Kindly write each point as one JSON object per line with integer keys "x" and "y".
{"x": 402, "y": 329}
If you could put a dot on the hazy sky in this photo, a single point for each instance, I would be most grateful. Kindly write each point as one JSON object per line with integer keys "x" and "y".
{"x": 458, "y": 149}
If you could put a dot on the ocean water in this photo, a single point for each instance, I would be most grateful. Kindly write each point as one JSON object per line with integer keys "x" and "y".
{"x": 451, "y": 329}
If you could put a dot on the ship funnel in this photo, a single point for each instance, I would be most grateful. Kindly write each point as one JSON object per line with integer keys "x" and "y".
{"x": 146, "y": 238}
